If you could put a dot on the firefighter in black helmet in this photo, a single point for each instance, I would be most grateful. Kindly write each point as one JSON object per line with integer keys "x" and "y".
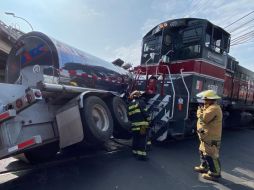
{"x": 140, "y": 119}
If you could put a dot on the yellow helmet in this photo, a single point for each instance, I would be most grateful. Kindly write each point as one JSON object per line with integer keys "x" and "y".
{"x": 208, "y": 94}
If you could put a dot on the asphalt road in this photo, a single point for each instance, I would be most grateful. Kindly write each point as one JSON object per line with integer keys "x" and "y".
{"x": 170, "y": 167}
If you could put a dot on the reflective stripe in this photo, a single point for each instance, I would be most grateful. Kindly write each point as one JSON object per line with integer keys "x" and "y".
{"x": 134, "y": 152}
{"x": 135, "y": 129}
{"x": 135, "y": 111}
{"x": 213, "y": 174}
{"x": 35, "y": 140}
{"x": 8, "y": 114}
{"x": 149, "y": 142}
{"x": 142, "y": 123}
{"x": 142, "y": 153}
{"x": 133, "y": 106}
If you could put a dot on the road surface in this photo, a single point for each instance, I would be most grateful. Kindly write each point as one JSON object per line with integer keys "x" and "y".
{"x": 170, "y": 167}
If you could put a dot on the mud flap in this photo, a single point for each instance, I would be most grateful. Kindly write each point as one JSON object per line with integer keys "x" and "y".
{"x": 69, "y": 126}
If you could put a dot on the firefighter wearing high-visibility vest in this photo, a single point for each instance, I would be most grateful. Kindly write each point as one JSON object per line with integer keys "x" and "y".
{"x": 140, "y": 119}
{"x": 209, "y": 129}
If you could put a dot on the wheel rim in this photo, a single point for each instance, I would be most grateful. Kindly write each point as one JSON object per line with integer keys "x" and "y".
{"x": 100, "y": 117}
{"x": 122, "y": 112}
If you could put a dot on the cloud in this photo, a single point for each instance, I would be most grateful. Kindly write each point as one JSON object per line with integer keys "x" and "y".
{"x": 51, "y": 16}
{"x": 221, "y": 13}
{"x": 149, "y": 24}
{"x": 69, "y": 11}
{"x": 130, "y": 53}
{"x": 243, "y": 54}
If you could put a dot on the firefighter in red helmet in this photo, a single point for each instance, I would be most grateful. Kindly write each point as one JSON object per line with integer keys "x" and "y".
{"x": 209, "y": 128}
{"x": 140, "y": 119}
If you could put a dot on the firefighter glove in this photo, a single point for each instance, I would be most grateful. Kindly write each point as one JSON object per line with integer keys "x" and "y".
{"x": 200, "y": 112}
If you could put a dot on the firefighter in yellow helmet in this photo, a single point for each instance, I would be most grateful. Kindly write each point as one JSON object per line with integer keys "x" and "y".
{"x": 140, "y": 119}
{"x": 209, "y": 128}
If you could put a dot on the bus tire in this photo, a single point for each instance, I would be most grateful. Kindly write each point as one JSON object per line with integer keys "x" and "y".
{"x": 97, "y": 120}
{"x": 119, "y": 111}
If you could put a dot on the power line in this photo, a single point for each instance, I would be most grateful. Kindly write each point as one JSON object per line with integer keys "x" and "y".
{"x": 195, "y": 5}
{"x": 242, "y": 43}
{"x": 243, "y": 29}
{"x": 239, "y": 19}
{"x": 203, "y": 5}
{"x": 244, "y": 38}
{"x": 244, "y": 35}
{"x": 237, "y": 28}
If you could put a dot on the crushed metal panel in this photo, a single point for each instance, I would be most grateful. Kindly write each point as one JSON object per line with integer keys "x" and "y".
{"x": 69, "y": 126}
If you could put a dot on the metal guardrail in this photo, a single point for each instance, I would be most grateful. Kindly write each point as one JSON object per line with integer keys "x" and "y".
{"x": 13, "y": 33}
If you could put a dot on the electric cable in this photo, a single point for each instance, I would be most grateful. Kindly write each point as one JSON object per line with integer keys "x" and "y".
{"x": 239, "y": 19}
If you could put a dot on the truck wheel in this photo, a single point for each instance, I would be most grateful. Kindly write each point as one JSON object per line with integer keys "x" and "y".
{"x": 97, "y": 120}
{"x": 42, "y": 154}
{"x": 119, "y": 112}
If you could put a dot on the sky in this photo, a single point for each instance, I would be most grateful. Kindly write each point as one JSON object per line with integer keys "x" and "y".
{"x": 112, "y": 29}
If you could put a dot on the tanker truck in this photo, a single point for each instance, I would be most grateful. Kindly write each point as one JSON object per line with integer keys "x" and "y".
{"x": 56, "y": 96}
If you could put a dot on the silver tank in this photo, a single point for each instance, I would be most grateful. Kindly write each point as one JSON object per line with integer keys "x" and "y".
{"x": 37, "y": 57}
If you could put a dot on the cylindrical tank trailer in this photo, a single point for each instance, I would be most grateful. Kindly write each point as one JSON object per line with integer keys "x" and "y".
{"x": 62, "y": 64}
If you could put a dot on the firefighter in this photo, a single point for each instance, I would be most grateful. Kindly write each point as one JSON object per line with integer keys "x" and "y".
{"x": 209, "y": 128}
{"x": 150, "y": 91}
{"x": 151, "y": 85}
{"x": 140, "y": 119}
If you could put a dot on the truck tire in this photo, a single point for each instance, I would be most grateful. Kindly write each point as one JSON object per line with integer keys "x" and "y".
{"x": 119, "y": 112}
{"x": 97, "y": 120}
{"x": 42, "y": 154}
